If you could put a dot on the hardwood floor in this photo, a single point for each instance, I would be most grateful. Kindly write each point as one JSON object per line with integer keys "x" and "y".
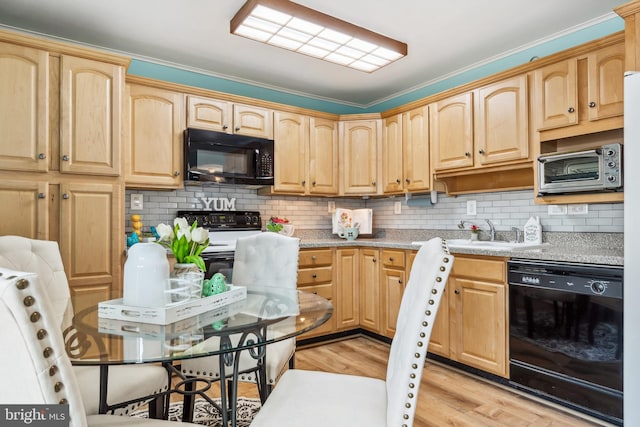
{"x": 447, "y": 397}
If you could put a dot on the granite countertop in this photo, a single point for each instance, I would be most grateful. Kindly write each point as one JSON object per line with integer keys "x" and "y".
{"x": 589, "y": 248}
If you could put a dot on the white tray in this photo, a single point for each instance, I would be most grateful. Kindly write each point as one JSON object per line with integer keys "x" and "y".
{"x": 115, "y": 309}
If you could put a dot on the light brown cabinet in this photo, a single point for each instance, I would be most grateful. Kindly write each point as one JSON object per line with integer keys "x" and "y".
{"x": 471, "y": 324}
{"x": 229, "y": 117}
{"x": 315, "y": 274}
{"x": 581, "y": 91}
{"x": 451, "y": 126}
{"x": 405, "y": 152}
{"x": 323, "y": 157}
{"x": 393, "y": 281}
{"x": 359, "y": 149}
{"x": 154, "y": 126}
{"x": 369, "y": 310}
{"x": 347, "y": 288}
{"x": 25, "y": 209}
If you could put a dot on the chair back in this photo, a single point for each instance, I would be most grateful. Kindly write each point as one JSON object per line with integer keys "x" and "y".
{"x": 33, "y": 365}
{"x": 418, "y": 309}
{"x": 266, "y": 259}
{"x": 41, "y": 257}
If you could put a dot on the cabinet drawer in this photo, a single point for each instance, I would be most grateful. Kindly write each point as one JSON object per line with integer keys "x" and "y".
{"x": 311, "y": 258}
{"x": 392, "y": 258}
{"x": 312, "y": 276}
{"x": 484, "y": 269}
{"x": 325, "y": 291}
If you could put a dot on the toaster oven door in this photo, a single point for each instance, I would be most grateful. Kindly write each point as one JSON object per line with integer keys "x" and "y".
{"x": 571, "y": 172}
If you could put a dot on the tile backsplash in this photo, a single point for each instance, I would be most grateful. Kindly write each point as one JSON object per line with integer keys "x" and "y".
{"x": 504, "y": 209}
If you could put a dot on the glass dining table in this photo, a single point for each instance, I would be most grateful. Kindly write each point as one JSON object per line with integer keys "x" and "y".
{"x": 267, "y": 315}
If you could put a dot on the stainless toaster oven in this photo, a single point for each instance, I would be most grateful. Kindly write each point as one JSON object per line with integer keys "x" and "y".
{"x": 599, "y": 169}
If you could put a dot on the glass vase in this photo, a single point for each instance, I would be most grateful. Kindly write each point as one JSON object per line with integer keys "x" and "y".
{"x": 192, "y": 277}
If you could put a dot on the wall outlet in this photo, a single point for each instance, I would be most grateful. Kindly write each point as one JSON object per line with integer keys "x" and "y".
{"x": 137, "y": 202}
{"x": 471, "y": 207}
{"x": 557, "y": 209}
{"x": 331, "y": 207}
{"x": 578, "y": 209}
{"x": 397, "y": 207}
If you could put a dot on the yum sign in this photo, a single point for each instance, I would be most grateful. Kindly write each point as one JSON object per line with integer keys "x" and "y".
{"x": 219, "y": 203}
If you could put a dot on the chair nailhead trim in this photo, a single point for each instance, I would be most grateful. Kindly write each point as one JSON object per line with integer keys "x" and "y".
{"x": 442, "y": 268}
{"x": 428, "y": 312}
{"x": 417, "y": 355}
{"x": 434, "y": 291}
{"x": 35, "y": 316}
{"x": 29, "y": 301}
{"x": 431, "y": 302}
{"x": 63, "y": 401}
{"x": 422, "y": 335}
{"x": 405, "y": 416}
{"x": 58, "y": 386}
{"x": 407, "y": 405}
{"x": 412, "y": 376}
{"x": 414, "y": 366}
{"x": 53, "y": 370}
{"x": 22, "y": 284}
{"x": 41, "y": 334}
{"x": 424, "y": 324}
{"x": 412, "y": 385}
{"x": 446, "y": 260}
{"x": 47, "y": 352}
{"x": 419, "y": 343}
{"x": 438, "y": 279}
{"x": 410, "y": 395}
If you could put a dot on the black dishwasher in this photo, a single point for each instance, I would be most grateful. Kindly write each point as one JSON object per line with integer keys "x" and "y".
{"x": 565, "y": 334}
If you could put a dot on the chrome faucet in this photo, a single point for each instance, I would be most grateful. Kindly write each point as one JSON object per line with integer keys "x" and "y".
{"x": 492, "y": 230}
{"x": 519, "y": 234}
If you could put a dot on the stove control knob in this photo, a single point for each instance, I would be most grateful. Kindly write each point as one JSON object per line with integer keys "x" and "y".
{"x": 598, "y": 287}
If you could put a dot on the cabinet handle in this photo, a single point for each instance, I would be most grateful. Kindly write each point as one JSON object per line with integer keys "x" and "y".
{"x": 571, "y": 110}
{"x": 41, "y": 195}
{"x": 313, "y": 257}
{"x": 237, "y": 129}
{"x": 400, "y": 281}
{"x": 313, "y": 183}
{"x": 225, "y": 127}
{"x": 304, "y": 182}
{"x": 398, "y": 181}
{"x": 65, "y": 196}
{"x": 176, "y": 173}
{"x": 65, "y": 158}
{"x": 408, "y": 181}
{"x": 592, "y": 104}
{"x": 467, "y": 154}
{"x": 314, "y": 276}
{"x": 373, "y": 183}
{"x": 42, "y": 156}
{"x": 457, "y": 292}
{"x": 390, "y": 259}
{"x": 375, "y": 260}
{"x": 480, "y": 151}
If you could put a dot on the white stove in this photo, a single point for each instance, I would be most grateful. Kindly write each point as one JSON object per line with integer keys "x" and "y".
{"x": 225, "y": 228}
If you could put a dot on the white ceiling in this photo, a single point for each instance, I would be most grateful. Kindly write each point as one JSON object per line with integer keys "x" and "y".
{"x": 444, "y": 37}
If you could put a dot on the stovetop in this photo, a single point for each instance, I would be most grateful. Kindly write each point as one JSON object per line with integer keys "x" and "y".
{"x": 225, "y": 227}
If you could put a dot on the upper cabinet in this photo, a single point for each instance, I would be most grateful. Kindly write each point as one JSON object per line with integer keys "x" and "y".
{"x": 359, "y": 146}
{"x": 405, "y": 152}
{"x": 576, "y": 95}
{"x": 451, "y": 123}
{"x": 154, "y": 129}
{"x": 24, "y": 108}
{"x": 323, "y": 157}
{"x": 90, "y": 119}
{"x": 229, "y": 117}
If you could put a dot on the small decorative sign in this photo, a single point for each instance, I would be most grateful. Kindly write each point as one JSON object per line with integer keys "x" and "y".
{"x": 219, "y": 203}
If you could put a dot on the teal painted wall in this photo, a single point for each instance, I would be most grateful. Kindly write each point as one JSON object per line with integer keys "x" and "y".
{"x": 190, "y": 78}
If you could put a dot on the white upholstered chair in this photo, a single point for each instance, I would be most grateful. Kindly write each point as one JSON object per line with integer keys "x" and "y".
{"x": 34, "y": 366}
{"x": 126, "y": 382}
{"x": 266, "y": 259}
{"x": 310, "y": 398}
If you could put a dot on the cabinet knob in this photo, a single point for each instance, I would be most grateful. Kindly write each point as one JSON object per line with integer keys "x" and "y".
{"x": 42, "y": 156}
{"x": 237, "y": 129}
{"x": 65, "y": 158}
{"x": 375, "y": 260}
{"x": 304, "y": 182}
{"x": 41, "y": 195}
{"x": 314, "y": 276}
{"x": 314, "y": 257}
{"x": 65, "y": 196}
{"x": 571, "y": 110}
{"x": 390, "y": 259}
{"x": 457, "y": 292}
{"x": 398, "y": 181}
{"x": 408, "y": 181}
{"x": 592, "y": 104}
{"x": 225, "y": 127}
{"x": 373, "y": 183}
{"x": 400, "y": 281}
{"x": 467, "y": 154}
{"x": 480, "y": 151}
{"x": 313, "y": 183}
{"x": 176, "y": 173}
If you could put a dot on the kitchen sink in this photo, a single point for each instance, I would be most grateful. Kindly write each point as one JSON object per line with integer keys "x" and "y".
{"x": 496, "y": 245}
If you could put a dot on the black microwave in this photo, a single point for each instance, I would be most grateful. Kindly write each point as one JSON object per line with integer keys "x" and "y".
{"x": 222, "y": 158}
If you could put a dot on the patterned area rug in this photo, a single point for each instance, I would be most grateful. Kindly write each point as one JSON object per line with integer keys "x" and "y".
{"x": 208, "y": 415}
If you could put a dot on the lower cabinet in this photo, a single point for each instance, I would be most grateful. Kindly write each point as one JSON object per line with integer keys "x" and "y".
{"x": 347, "y": 300}
{"x": 316, "y": 274}
{"x": 471, "y": 325}
{"x": 392, "y": 284}
{"x": 369, "y": 289}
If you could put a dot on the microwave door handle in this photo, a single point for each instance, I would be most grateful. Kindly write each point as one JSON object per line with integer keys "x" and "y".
{"x": 561, "y": 156}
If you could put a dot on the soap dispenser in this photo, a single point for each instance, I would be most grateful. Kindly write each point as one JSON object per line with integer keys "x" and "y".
{"x": 533, "y": 231}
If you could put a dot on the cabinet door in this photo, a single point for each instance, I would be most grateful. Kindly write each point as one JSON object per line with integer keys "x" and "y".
{"x": 369, "y": 290}
{"x": 416, "y": 160}
{"x": 392, "y": 171}
{"x": 90, "y": 238}
{"x": 91, "y": 116}
{"x": 480, "y": 325}
{"x": 347, "y": 280}
{"x": 392, "y": 287}
{"x": 154, "y": 133}
{"x": 606, "y": 76}
{"x": 557, "y": 88}
{"x": 207, "y": 113}
{"x": 252, "y": 121}
{"x": 24, "y": 209}
{"x": 24, "y": 108}
{"x": 502, "y": 122}
{"x": 452, "y": 132}
{"x": 439, "y": 342}
{"x": 323, "y": 157}
{"x": 359, "y": 160}
{"x": 291, "y": 139}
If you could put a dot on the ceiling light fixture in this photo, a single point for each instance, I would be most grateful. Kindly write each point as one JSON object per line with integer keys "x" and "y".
{"x": 295, "y": 27}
